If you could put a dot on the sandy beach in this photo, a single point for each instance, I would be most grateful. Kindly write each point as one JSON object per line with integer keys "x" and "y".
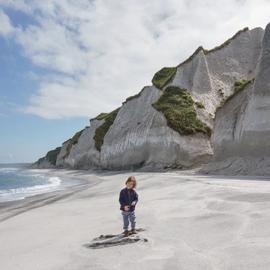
{"x": 191, "y": 221}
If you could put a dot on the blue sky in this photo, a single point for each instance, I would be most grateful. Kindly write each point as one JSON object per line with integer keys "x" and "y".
{"x": 63, "y": 62}
{"x": 26, "y": 137}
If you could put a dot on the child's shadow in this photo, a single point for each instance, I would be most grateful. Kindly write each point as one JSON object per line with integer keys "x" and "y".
{"x": 110, "y": 240}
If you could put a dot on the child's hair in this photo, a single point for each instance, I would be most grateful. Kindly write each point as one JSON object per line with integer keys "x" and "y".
{"x": 132, "y": 179}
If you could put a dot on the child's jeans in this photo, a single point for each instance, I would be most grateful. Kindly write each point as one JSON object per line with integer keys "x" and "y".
{"x": 129, "y": 216}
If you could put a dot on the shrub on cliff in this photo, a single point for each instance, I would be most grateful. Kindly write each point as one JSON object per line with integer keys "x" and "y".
{"x": 239, "y": 86}
{"x": 101, "y": 116}
{"x": 177, "y": 106}
{"x": 102, "y": 130}
{"x": 51, "y": 156}
{"x": 164, "y": 76}
{"x": 74, "y": 140}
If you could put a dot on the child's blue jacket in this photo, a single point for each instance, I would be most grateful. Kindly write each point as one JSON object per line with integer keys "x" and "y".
{"x": 126, "y": 197}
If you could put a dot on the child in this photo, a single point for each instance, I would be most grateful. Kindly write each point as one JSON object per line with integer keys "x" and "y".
{"x": 128, "y": 199}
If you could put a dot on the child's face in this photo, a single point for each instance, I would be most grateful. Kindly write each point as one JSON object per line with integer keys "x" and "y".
{"x": 129, "y": 185}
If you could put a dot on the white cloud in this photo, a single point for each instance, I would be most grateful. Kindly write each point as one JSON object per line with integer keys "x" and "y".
{"x": 6, "y": 27}
{"x": 100, "y": 52}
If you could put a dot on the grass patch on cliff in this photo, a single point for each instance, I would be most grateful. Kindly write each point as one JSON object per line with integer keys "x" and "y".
{"x": 132, "y": 97}
{"x": 102, "y": 129}
{"x": 74, "y": 140}
{"x": 101, "y": 116}
{"x": 51, "y": 156}
{"x": 177, "y": 106}
{"x": 200, "y": 105}
{"x": 163, "y": 76}
{"x": 239, "y": 86}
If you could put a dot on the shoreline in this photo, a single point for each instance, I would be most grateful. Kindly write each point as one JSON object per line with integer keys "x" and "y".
{"x": 12, "y": 208}
{"x": 191, "y": 221}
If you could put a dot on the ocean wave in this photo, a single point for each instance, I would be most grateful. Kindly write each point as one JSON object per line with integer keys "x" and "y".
{"x": 21, "y": 193}
{"x": 8, "y": 170}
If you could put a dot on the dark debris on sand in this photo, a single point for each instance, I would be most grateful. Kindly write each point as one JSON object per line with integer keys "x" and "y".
{"x": 109, "y": 240}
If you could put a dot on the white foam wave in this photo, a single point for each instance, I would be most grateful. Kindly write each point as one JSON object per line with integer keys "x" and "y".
{"x": 8, "y": 170}
{"x": 21, "y": 193}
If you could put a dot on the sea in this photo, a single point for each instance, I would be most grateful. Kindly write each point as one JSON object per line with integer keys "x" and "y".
{"x": 18, "y": 181}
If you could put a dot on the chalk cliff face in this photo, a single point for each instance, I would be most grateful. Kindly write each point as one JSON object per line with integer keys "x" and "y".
{"x": 81, "y": 154}
{"x": 140, "y": 136}
{"x": 49, "y": 161}
{"x": 213, "y": 104}
{"x": 242, "y": 128}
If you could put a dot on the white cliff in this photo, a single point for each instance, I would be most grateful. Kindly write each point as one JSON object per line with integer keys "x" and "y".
{"x": 138, "y": 135}
{"x": 242, "y": 130}
{"x": 83, "y": 154}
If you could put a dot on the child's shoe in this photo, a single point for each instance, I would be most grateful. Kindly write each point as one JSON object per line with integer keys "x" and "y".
{"x": 126, "y": 233}
{"x": 133, "y": 231}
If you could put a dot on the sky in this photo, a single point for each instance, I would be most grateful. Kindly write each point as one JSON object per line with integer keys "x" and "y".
{"x": 65, "y": 61}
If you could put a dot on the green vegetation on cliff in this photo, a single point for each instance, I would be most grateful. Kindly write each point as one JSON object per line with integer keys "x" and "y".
{"x": 239, "y": 86}
{"x": 131, "y": 97}
{"x": 163, "y": 76}
{"x": 101, "y": 116}
{"x": 177, "y": 106}
{"x": 51, "y": 156}
{"x": 200, "y": 105}
{"x": 74, "y": 140}
{"x": 102, "y": 130}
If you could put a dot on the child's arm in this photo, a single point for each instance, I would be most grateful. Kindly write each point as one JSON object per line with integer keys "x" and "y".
{"x": 121, "y": 199}
{"x": 136, "y": 199}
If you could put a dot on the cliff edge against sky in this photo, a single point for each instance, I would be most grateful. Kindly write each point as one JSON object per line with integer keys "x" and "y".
{"x": 211, "y": 109}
